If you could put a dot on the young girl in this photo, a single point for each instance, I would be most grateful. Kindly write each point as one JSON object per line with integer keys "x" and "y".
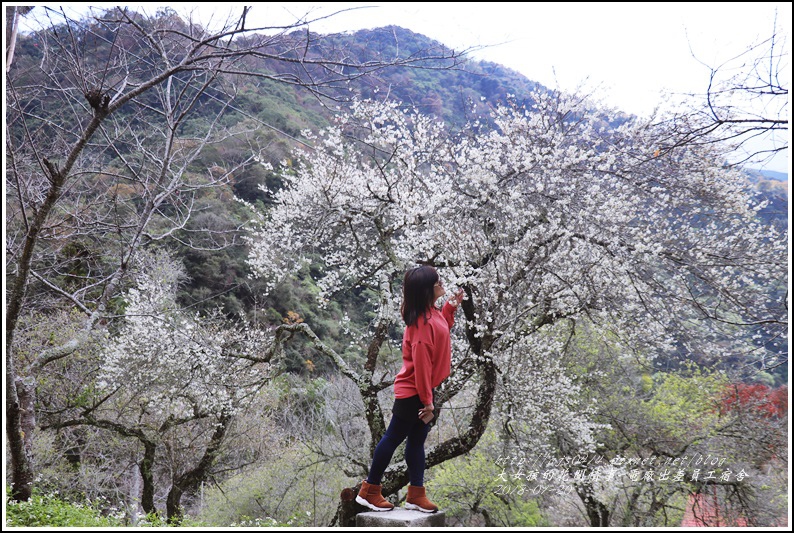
{"x": 426, "y": 363}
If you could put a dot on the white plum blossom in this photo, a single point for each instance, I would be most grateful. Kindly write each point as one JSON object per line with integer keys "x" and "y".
{"x": 555, "y": 215}
{"x": 173, "y": 363}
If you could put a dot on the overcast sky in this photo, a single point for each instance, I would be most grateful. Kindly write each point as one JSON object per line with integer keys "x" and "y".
{"x": 627, "y": 52}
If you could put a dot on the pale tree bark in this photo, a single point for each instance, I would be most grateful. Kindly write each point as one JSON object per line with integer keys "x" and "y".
{"x": 12, "y": 28}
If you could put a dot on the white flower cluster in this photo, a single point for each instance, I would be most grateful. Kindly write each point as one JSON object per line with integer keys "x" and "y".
{"x": 171, "y": 363}
{"x": 553, "y": 214}
{"x": 538, "y": 391}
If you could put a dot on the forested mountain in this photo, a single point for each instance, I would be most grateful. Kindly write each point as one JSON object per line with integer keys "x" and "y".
{"x": 449, "y": 92}
{"x": 206, "y": 238}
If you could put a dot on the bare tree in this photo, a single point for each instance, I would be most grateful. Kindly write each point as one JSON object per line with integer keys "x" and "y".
{"x": 745, "y": 104}
{"x": 101, "y": 161}
{"x": 13, "y": 14}
{"x": 165, "y": 382}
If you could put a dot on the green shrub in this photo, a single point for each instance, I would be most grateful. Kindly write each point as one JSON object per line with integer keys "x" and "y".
{"x": 49, "y": 510}
{"x": 291, "y": 489}
{"x": 469, "y": 490}
{"x": 154, "y": 520}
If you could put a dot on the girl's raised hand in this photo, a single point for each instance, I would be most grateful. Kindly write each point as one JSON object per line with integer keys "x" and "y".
{"x": 459, "y": 295}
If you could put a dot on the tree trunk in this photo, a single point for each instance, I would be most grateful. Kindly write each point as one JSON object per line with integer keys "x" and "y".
{"x": 347, "y": 510}
{"x": 12, "y": 28}
{"x": 374, "y": 415}
{"x": 597, "y": 512}
{"x": 26, "y": 394}
{"x": 487, "y": 517}
{"x": 21, "y": 472}
{"x": 146, "y": 467}
{"x": 21, "y": 469}
{"x": 191, "y": 480}
{"x": 14, "y": 429}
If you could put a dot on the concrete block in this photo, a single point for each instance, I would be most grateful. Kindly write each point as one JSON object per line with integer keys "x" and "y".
{"x": 399, "y": 517}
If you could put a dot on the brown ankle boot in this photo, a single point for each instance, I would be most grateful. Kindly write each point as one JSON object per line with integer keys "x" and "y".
{"x": 417, "y": 500}
{"x": 370, "y": 496}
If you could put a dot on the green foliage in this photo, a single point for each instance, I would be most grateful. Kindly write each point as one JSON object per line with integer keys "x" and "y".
{"x": 337, "y": 323}
{"x": 291, "y": 488}
{"x": 52, "y": 510}
{"x": 49, "y": 510}
{"x": 686, "y": 403}
{"x": 155, "y": 520}
{"x": 300, "y": 395}
{"x": 469, "y": 490}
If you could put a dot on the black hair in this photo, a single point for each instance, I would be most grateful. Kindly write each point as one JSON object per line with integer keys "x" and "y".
{"x": 418, "y": 292}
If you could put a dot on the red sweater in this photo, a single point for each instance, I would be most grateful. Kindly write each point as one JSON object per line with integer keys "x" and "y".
{"x": 427, "y": 354}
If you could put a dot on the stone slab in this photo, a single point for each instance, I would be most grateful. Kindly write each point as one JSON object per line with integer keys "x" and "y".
{"x": 399, "y": 517}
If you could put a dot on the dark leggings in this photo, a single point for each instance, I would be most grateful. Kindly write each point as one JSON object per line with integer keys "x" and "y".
{"x": 399, "y": 430}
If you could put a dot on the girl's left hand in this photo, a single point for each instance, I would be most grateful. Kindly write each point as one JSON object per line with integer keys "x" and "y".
{"x": 426, "y": 413}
